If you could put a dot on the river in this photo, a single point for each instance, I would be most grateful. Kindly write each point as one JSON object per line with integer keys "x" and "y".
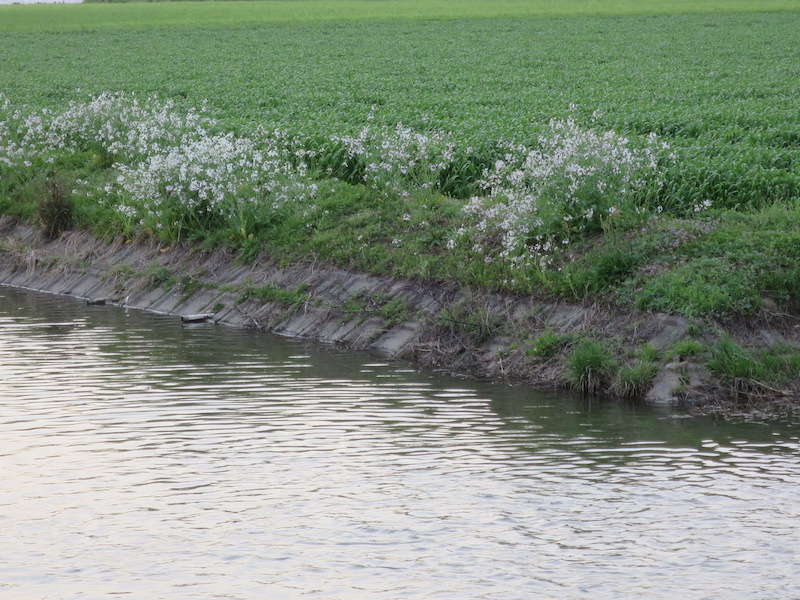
{"x": 142, "y": 458}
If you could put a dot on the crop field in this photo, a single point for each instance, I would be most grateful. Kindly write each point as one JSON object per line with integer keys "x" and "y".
{"x": 634, "y": 151}
{"x": 126, "y": 14}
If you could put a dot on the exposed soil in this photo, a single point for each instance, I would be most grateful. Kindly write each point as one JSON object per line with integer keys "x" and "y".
{"x": 436, "y": 324}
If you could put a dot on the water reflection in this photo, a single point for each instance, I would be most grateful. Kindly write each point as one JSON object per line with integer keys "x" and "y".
{"x": 164, "y": 461}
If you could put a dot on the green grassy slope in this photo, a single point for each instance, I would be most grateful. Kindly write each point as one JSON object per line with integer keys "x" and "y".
{"x": 718, "y": 81}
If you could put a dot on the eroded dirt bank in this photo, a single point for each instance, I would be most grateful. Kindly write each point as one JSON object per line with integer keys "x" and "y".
{"x": 437, "y": 325}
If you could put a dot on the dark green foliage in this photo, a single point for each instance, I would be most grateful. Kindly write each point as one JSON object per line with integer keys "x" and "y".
{"x": 590, "y": 367}
{"x": 395, "y": 312}
{"x": 775, "y": 365}
{"x": 55, "y": 206}
{"x": 706, "y": 286}
{"x": 634, "y": 379}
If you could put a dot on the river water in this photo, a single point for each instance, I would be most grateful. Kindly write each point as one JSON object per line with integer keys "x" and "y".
{"x": 145, "y": 459}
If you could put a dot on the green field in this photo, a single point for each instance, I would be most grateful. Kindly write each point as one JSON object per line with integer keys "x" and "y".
{"x": 171, "y": 15}
{"x": 716, "y": 81}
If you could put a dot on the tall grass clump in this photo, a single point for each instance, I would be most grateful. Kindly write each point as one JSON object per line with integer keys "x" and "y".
{"x": 634, "y": 379}
{"x": 590, "y": 367}
{"x": 752, "y": 368}
{"x": 55, "y": 206}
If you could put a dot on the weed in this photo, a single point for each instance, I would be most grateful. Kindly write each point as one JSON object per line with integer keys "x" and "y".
{"x": 395, "y": 312}
{"x": 548, "y": 344}
{"x": 273, "y": 293}
{"x": 357, "y": 304}
{"x": 189, "y": 286}
{"x": 633, "y": 380}
{"x": 162, "y": 276}
{"x": 649, "y": 353}
{"x": 694, "y": 329}
{"x": 711, "y": 286}
{"x": 753, "y": 367}
{"x": 590, "y": 366}
{"x": 55, "y": 207}
{"x": 688, "y": 347}
{"x": 467, "y": 318}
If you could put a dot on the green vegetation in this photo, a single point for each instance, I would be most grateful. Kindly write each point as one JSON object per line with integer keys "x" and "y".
{"x": 633, "y": 380}
{"x": 757, "y": 368}
{"x": 117, "y": 14}
{"x": 722, "y": 264}
{"x": 549, "y": 344}
{"x": 470, "y": 320}
{"x": 54, "y": 207}
{"x": 273, "y": 293}
{"x": 688, "y": 348}
{"x": 590, "y": 366}
{"x": 639, "y": 153}
{"x": 395, "y": 312}
{"x": 161, "y": 276}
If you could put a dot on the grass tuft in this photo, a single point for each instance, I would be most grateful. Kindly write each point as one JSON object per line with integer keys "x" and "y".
{"x": 634, "y": 380}
{"x": 590, "y": 366}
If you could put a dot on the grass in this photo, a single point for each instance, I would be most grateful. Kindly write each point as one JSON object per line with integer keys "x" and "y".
{"x": 724, "y": 264}
{"x": 549, "y": 344}
{"x": 470, "y": 320}
{"x": 54, "y": 207}
{"x": 273, "y": 293}
{"x": 177, "y": 15}
{"x": 716, "y": 80}
{"x": 590, "y": 366}
{"x": 754, "y": 367}
{"x": 633, "y": 380}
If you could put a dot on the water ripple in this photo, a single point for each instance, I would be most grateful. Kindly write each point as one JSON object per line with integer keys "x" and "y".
{"x": 147, "y": 459}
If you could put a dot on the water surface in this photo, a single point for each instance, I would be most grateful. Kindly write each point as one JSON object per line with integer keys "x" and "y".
{"x": 146, "y": 459}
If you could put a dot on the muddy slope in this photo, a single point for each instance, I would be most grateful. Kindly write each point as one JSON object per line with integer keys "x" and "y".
{"x": 434, "y": 324}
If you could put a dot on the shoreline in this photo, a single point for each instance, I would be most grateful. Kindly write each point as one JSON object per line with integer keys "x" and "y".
{"x": 435, "y": 325}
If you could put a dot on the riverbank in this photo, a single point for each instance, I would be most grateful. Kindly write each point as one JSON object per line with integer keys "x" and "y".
{"x": 436, "y": 325}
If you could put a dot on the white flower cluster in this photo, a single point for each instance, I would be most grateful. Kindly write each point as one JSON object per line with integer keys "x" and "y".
{"x": 21, "y": 135}
{"x": 215, "y": 178}
{"x": 399, "y": 158}
{"x": 171, "y": 170}
{"x": 125, "y": 125}
{"x": 114, "y": 123}
{"x": 576, "y": 180}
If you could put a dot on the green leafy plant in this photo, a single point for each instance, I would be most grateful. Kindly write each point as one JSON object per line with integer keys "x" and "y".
{"x": 394, "y": 312}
